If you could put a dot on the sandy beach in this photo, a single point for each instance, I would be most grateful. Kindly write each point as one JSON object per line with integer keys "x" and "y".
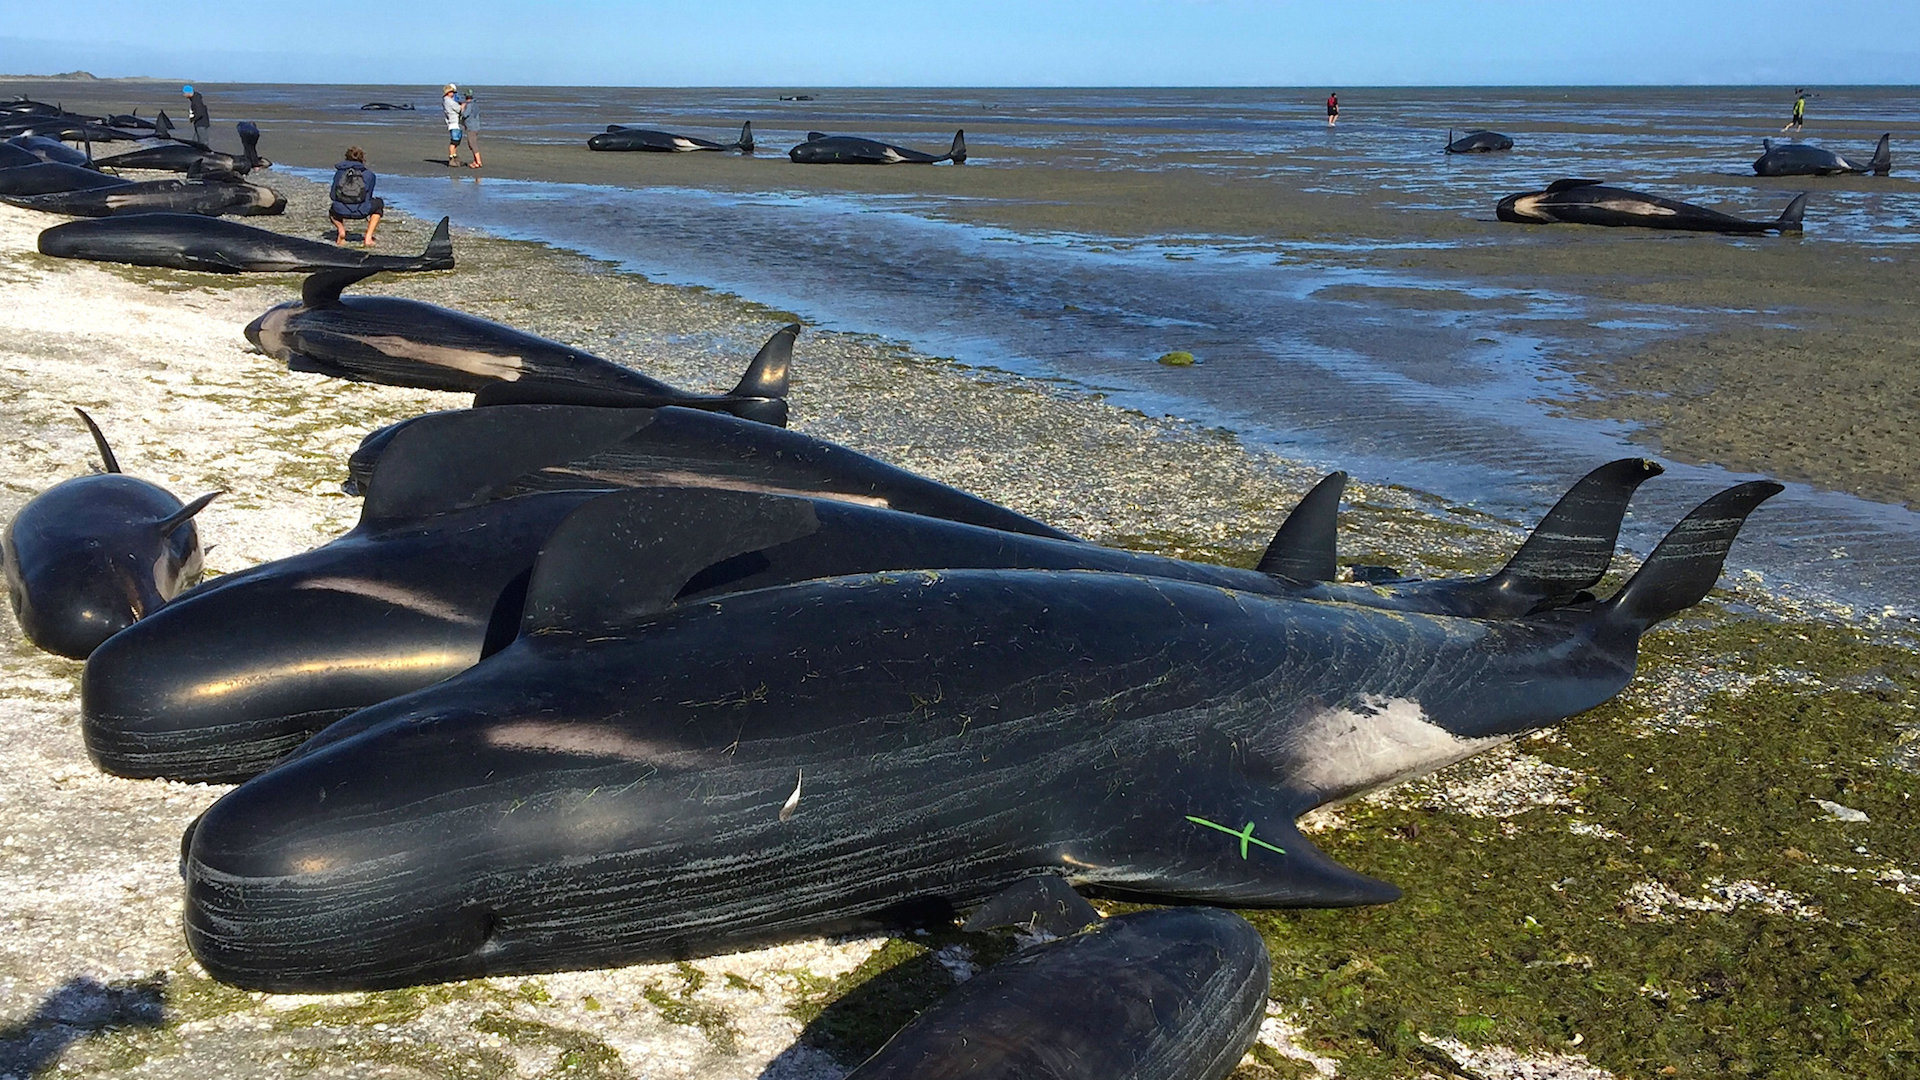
{"x": 1712, "y": 875}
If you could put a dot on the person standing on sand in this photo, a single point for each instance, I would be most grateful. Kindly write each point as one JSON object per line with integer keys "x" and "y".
{"x": 352, "y": 197}
{"x": 1333, "y": 108}
{"x": 197, "y": 113}
{"x": 466, "y": 125}
{"x": 1799, "y": 112}
{"x": 456, "y": 113}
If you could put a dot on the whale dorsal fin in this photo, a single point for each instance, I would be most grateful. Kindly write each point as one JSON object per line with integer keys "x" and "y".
{"x": 812, "y": 135}
{"x": 1045, "y": 902}
{"x": 168, "y": 524}
{"x": 623, "y": 557}
{"x": 450, "y": 461}
{"x": 1570, "y": 184}
{"x": 323, "y": 289}
{"x": 99, "y": 440}
{"x": 1304, "y": 547}
{"x": 767, "y": 374}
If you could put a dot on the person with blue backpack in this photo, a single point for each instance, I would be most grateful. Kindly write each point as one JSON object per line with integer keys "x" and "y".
{"x": 353, "y": 198}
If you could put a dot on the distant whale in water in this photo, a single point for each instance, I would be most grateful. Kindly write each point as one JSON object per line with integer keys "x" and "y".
{"x": 385, "y": 106}
{"x": 1589, "y": 202}
{"x": 89, "y": 556}
{"x": 634, "y": 779}
{"x": 215, "y": 245}
{"x": 619, "y": 137}
{"x": 1478, "y": 142}
{"x": 1804, "y": 159}
{"x": 823, "y": 149}
{"x": 398, "y": 342}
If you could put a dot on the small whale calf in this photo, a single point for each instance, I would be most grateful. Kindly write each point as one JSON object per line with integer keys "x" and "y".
{"x": 398, "y": 342}
{"x": 619, "y": 137}
{"x": 89, "y": 556}
{"x": 215, "y": 245}
{"x": 1478, "y": 142}
{"x": 1589, "y": 202}
{"x": 824, "y": 149}
{"x": 1805, "y": 159}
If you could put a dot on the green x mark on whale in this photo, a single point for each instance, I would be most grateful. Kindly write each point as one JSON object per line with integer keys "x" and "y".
{"x": 1245, "y": 835}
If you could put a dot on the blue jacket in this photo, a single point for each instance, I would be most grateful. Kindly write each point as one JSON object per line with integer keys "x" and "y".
{"x": 352, "y": 210}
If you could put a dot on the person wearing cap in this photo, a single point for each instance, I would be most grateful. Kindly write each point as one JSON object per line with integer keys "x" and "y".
{"x": 455, "y": 111}
{"x": 197, "y": 112}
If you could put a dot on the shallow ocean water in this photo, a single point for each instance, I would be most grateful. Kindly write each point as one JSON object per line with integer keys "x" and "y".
{"x": 1431, "y": 393}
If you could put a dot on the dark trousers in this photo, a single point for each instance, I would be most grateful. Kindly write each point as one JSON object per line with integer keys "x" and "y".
{"x": 201, "y": 130}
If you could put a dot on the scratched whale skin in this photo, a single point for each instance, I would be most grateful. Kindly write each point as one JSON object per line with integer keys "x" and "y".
{"x": 632, "y": 780}
{"x": 1176, "y": 994}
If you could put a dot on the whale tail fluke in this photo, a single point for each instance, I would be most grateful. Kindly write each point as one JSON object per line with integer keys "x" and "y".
{"x": 1790, "y": 217}
{"x": 1683, "y": 569}
{"x": 1882, "y": 161}
{"x": 744, "y": 143}
{"x": 762, "y": 390}
{"x": 1573, "y": 545}
{"x": 99, "y": 440}
{"x": 1304, "y": 549}
{"x": 958, "y": 153}
{"x": 439, "y": 252}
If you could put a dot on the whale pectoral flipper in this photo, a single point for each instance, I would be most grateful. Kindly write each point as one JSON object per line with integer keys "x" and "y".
{"x": 1045, "y": 902}
{"x": 1304, "y": 548}
{"x": 464, "y": 459}
{"x": 1263, "y": 862}
{"x": 625, "y": 556}
{"x": 180, "y": 517}
{"x": 312, "y": 365}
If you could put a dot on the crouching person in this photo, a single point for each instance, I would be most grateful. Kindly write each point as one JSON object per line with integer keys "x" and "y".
{"x": 353, "y": 198}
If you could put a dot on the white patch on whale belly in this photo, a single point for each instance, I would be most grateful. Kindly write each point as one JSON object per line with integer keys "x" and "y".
{"x": 488, "y": 365}
{"x": 684, "y": 144}
{"x": 1635, "y": 206}
{"x": 894, "y": 156}
{"x": 1346, "y": 752}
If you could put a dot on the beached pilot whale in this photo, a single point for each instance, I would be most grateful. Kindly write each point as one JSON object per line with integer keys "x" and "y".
{"x": 632, "y": 779}
{"x": 397, "y": 342}
{"x": 46, "y": 177}
{"x": 1589, "y": 202}
{"x": 215, "y": 245}
{"x": 1177, "y": 994}
{"x": 1803, "y": 159}
{"x": 322, "y": 636}
{"x": 89, "y": 556}
{"x": 181, "y": 157}
{"x": 824, "y": 149}
{"x": 245, "y": 668}
{"x": 189, "y": 196}
{"x": 51, "y": 150}
{"x": 1478, "y": 142}
{"x": 621, "y": 137}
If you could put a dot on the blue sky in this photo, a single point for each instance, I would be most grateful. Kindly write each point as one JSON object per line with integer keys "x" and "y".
{"x": 983, "y": 43}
